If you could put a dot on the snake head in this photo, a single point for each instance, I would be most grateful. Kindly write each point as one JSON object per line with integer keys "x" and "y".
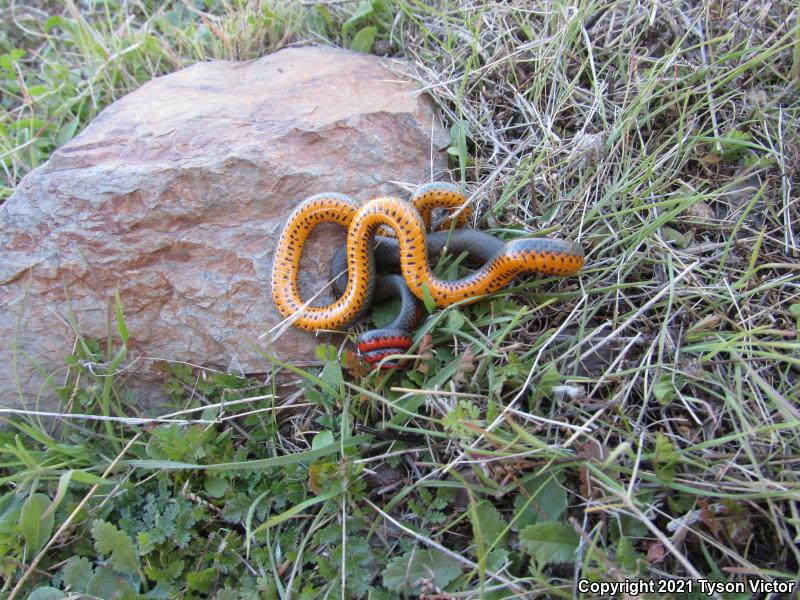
{"x": 544, "y": 255}
{"x": 377, "y": 344}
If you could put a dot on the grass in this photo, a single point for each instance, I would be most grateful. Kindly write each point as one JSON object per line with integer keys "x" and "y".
{"x": 638, "y": 422}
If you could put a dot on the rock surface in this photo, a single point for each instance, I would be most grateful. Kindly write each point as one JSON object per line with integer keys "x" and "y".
{"x": 176, "y": 194}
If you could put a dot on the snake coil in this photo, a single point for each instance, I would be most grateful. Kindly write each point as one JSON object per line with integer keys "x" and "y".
{"x": 409, "y": 249}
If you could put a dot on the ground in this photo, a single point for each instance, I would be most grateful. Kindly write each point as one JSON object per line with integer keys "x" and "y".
{"x": 637, "y": 423}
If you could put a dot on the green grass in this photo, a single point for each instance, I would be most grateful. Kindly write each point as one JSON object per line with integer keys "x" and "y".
{"x": 638, "y": 422}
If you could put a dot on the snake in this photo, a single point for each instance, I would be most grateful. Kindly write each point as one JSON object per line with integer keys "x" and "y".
{"x": 354, "y": 267}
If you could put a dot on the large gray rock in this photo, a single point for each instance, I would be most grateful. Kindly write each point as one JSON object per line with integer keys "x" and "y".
{"x": 176, "y": 194}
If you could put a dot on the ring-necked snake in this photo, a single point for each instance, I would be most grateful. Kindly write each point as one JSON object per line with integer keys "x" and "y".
{"x": 410, "y": 250}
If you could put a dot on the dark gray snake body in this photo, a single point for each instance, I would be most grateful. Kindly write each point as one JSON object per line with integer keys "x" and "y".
{"x": 395, "y": 338}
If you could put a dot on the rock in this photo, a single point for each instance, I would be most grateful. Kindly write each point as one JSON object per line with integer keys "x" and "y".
{"x": 176, "y": 194}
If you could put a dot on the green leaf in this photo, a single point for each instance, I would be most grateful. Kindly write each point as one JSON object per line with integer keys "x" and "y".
{"x": 91, "y": 479}
{"x": 167, "y": 574}
{"x": 248, "y": 465}
{"x": 66, "y": 132}
{"x": 384, "y": 313}
{"x": 403, "y": 574}
{"x": 322, "y": 439}
{"x": 227, "y": 594}
{"x": 108, "y": 585}
{"x": 10, "y": 509}
{"x": 681, "y": 240}
{"x": 47, "y": 593}
{"x": 326, "y": 353}
{"x": 363, "y": 40}
{"x": 548, "y": 381}
{"x": 378, "y": 593}
{"x": 628, "y": 526}
{"x": 364, "y": 10}
{"x": 455, "y": 320}
{"x": 664, "y": 390}
{"x": 146, "y": 543}
{"x": 666, "y": 458}
{"x": 15, "y": 54}
{"x": 332, "y": 374}
{"x": 53, "y": 22}
{"x": 110, "y": 540}
{"x": 32, "y": 123}
{"x": 458, "y": 145}
{"x": 550, "y": 542}
{"x": 121, "y": 326}
{"x": 735, "y": 144}
{"x": 626, "y": 554}
{"x": 496, "y": 559}
{"x": 38, "y": 90}
{"x": 63, "y": 486}
{"x": 544, "y": 499}
{"x": 76, "y": 573}
{"x": 323, "y": 12}
{"x": 34, "y": 525}
{"x": 427, "y": 299}
{"x": 490, "y": 523}
{"x": 296, "y": 509}
{"x": 179, "y": 443}
{"x": 201, "y": 581}
{"x": 216, "y": 486}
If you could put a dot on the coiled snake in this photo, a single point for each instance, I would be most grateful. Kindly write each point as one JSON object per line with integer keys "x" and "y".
{"x": 410, "y": 249}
